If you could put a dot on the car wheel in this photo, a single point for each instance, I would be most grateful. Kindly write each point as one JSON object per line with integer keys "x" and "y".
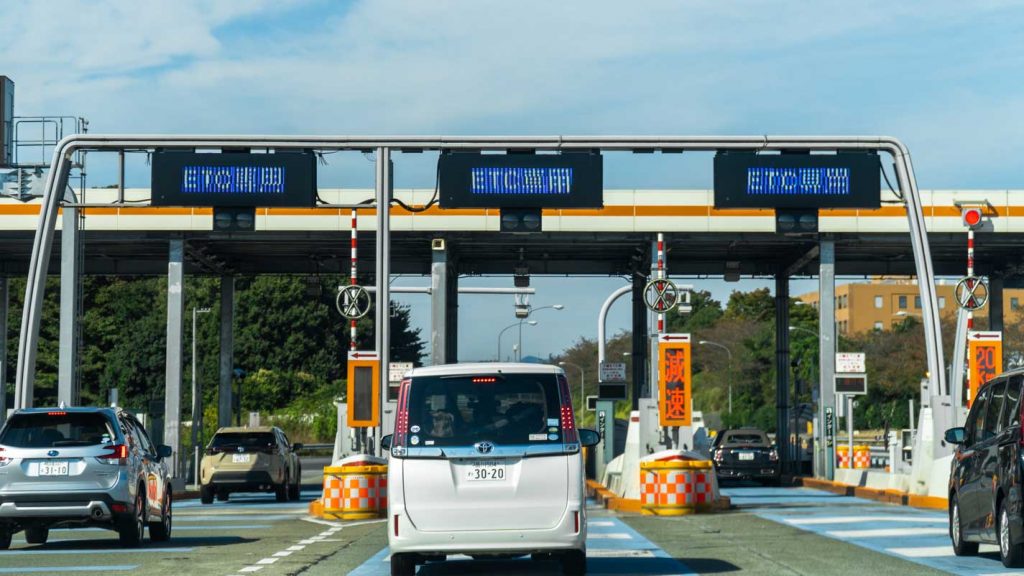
{"x": 956, "y": 535}
{"x": 403, "y": 565}
{"x": 131, "y": 529}
{"x": 36, "y": 535}
{"x": 5, "y": 539}
{"x": 295, "y": 489}
{"x": 281, "y": 491}
{"x": 206, "y": 493}
{"x": 1011, "y": 554}
{"x": 161, "y": 531}
{"x": 574, "y": 563}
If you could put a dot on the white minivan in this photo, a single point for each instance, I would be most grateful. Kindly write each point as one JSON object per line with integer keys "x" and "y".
{"x": 485, "y": 461}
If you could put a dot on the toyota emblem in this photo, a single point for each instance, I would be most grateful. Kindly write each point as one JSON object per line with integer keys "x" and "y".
{"x": 484, "y": 447}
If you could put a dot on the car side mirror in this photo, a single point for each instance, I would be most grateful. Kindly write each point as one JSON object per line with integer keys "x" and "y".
{"x": 955, "y": 435}
{"x": 589, "y": 437}
{"x": 164, "y": 451}
{"x": 297, "y": 446}
{"x": 385, "y": 442}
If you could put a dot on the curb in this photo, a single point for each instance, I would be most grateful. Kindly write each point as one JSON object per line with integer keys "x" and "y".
{"x": 888, "y": 496}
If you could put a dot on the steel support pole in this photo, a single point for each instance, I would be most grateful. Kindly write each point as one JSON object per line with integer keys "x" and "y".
{"x": 451, "y": 336}
{"x": 995, "y": 306}
{"x": 225, "y": 394}
{"x": 782, "y": 369}
{"x": 438, "y": 303}
{"x": 641, "y": 386}
{"x": 4, "y": 301}
{"x": 175, "y": 341}
{"x": 827, "y": 356}
{"x": 70, "y": 274}
{"x": 383, "y": 272}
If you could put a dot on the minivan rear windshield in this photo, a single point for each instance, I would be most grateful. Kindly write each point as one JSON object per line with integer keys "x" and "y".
{"x": 57, "y": 429}
{"x": 503, "y": 408}
{"x": 250, "y": 440}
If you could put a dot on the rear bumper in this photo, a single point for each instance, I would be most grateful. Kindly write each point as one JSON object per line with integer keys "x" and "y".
{"x": 747, "y": 472}
{"x": 561, "y": 537}
{"x": 252, "y": 479}
{"x": 85, "y": 506}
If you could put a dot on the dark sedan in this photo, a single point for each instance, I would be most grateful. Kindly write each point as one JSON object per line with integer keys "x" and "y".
{"x": 745, "y": 454}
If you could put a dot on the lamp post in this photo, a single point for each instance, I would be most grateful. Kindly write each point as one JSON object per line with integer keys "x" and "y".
{"x": 197, "y": 405}
{"x": 729, "y": 352}
{"x": 532, "y": 310}
{"x": 583, "y": 398}
{"x": 512, "y": 325}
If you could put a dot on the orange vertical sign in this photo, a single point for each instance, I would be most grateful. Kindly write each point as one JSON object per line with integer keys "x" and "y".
{"x": 984, "y": 359}
{"x": 675, "y": 404}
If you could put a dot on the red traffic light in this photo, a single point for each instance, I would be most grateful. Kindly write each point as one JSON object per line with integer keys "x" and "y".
{"x": 971, "y": 217}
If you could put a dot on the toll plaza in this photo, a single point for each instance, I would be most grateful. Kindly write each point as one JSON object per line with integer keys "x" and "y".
{"x": 761, "y": 220}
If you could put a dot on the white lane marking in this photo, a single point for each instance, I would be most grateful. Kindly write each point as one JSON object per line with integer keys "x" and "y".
{"x": 600, "y": 523}
{"x": 295, "y": 548}
{"x": 307, "y": 542}
{"x": 282, "y": 554}
{"x": 612, "y": 536}
{"x": 887, "y": 532}
{"x": 251, "y": 569}
{"x": 338, "y": 525}
{"x": 612, "y": 553}
{"x": 266, "y": 561}
{"x": 859, "y": 519}
{"x": 923, "y": 551}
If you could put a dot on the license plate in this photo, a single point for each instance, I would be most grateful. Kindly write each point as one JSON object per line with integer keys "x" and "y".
{"x": 54, "y": 468}
{"x": 746, "y": 455}
{"x": 240, "y": 458}
{"x": 486, "y": 471}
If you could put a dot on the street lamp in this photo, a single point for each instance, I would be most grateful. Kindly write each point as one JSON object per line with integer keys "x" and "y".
{"x": 532, "y": 310}
{"x": 729, "y": 352}
{"x": 512, "y": 325}
{"x": 197, "y": 406}
{"x": 583, "y": 398}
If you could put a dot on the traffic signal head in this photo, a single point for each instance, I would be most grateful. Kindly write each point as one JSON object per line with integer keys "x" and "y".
{"x": 234, "y": 219}
{"x": 520, "y": 220}
{"x": 971, "y": 217}
{"x": 796, "y": 221}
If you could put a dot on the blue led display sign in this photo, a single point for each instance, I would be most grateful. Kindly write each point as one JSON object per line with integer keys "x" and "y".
{"x": 283, "y": 179}
{"x": 569, "y": 180}
{"x": 845, "y": 180}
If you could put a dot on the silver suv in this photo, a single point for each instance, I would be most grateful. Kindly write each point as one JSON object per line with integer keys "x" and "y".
{"x": 82, "y": 467}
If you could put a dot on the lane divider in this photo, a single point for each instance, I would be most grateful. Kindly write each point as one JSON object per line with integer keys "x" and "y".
{"x": 888, "y": 496}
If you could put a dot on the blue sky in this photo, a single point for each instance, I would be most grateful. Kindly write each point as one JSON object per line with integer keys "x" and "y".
{"x": 943, "y": 76}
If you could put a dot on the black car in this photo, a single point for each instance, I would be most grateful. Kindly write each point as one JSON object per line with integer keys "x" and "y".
{"x": 985, "y": 481}
{"x": 745, "y": 454}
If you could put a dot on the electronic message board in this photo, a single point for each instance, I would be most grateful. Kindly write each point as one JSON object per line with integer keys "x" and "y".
{"x": 843, "y": 180}
{"x": 234, "y": 179}
{"x": 567, "y": 180}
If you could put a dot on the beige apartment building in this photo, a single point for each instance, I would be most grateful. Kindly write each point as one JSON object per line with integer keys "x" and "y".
{"x": 880, "y": 304}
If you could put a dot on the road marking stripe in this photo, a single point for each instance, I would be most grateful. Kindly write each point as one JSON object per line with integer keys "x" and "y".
{"x": 295, "y": 548}
{"x": 860, "y": 519}
{"x": 923, "y": 551}
{"x": 266, "y": 561}
{"x": 40, "y": 552}
{"x": 27, "y": 569}
{"x": 306, "y": 542}
{"x": 887, "y": 532}
{"x": 222, "y": 527}
{"x": 251, "y": 569}
{"x": 282, "y": 553}
{"x": 611, "y": 536}
{"x": 610, "y": 553}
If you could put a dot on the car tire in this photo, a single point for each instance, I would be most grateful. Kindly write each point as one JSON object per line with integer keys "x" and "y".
{"x": 131, "y": 528}
{"x": 206, "y": 493}
{"x": 1011, "y": 554}
{"x": 403, "y": 564}
{"x": 281, "y": 491}
{"x": 161, "y": 531}
{"x": 5, "y": 539}
{"x": 956, "y": 535}
{"x": 295, "y": 489}
{"x": 36, "y": 535}
{"x": 574, "y": 563}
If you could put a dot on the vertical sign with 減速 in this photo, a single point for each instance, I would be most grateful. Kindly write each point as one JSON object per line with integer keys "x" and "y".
{"x": 984, "y": 359}
{"x": 674, "y": 400}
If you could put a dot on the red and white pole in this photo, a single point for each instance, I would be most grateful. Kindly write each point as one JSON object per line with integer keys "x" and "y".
{"x": 661, "y": 276}
{"x": 352, "y": 274}
{"x": 970, "y": 313}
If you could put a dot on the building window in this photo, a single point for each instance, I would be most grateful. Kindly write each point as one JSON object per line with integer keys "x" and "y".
{"x": 879, "y": 302}
{"x": 1014, "y": 303}
{"x": 902, "y": 303}
{"x": 878, "y": 326}
{"x": 942, "y": 302}
{"x": 917, "y": 302}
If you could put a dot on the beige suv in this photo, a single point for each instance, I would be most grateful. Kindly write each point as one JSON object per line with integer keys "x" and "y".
{"x": 250, "y": 460}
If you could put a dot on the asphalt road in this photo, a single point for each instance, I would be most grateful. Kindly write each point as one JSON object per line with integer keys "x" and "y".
{"x": 770, "y": 531}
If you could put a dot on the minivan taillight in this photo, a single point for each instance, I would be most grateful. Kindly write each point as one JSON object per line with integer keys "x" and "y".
{"x": 402, "y": 418}
{"x": 4, "y": 460}
{"x": 569, "y": 435}
{"x": 118, "y": 454}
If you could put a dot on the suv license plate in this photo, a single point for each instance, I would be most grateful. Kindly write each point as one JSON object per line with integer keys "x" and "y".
{"x": 488, "y": 470}
{"x": 54, "y": 468}
{"x": 746, "y": 455}
{"x": 240, "y": 458}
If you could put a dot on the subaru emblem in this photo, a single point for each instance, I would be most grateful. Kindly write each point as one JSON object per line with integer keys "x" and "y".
{"x": 241, "y": 449}
{"x": 484, "y": 447}
{"x": 52, "y": 453}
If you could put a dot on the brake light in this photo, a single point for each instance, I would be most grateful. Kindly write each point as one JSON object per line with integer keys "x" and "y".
{"x": 773, "y": 455}
{"x": 719, "y": 455}
{"x": 576, "y": 518}
{"x": 396, "y": 525}
{"x": 402, "y": 419}
{"x": 56, "y": 413}
{"x": 569, "y": 435}
{"x": 485, "y": 380}
{"x": 213, "y": 450}
{"x": 118, "y": 454}
{"x": 4, "y": 460}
